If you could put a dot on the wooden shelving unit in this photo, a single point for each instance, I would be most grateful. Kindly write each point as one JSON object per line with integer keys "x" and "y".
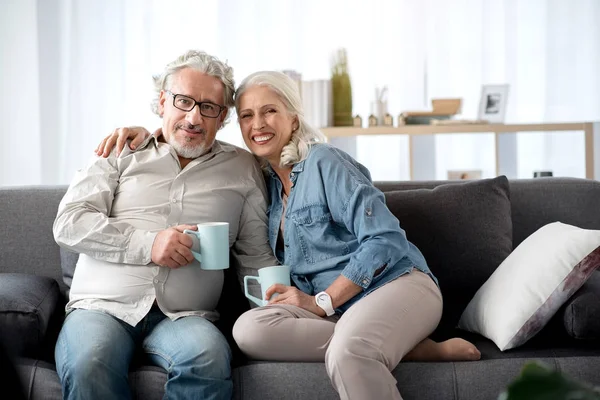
{"x": 591, "y": 132}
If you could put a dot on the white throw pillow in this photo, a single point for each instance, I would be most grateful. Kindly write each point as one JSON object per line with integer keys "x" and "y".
{"x": 532, "y": 283}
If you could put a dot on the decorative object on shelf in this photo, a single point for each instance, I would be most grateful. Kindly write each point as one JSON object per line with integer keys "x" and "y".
{"x": 388, "y": 120}
{"x": 443, "y": 109}
{"x": 492, "y": 105}
{"x": 541, "y": 174}
{"x": 401, "y": 120}
{"x": 372, "y": 120}
{"x": 342, "y": 90}
{"x": 446, "y": 106}
{"x": 357, "y": 121}
{"x": 379, "y": 108}
{"x": 464, "y": 174}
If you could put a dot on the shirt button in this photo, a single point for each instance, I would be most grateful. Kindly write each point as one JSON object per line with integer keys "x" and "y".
{"x": 156, "y": 281}
{"x": 173, "y": 200}
{"x": 365, "y": 281}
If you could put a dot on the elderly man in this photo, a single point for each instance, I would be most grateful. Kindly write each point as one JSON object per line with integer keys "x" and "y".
{"x": 133, "y": 287}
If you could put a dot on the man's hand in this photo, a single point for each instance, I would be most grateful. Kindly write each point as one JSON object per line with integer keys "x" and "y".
{"x": 294, "y": 296}
{"x": 171, "y": 247}
{"x": 119, "y": 137}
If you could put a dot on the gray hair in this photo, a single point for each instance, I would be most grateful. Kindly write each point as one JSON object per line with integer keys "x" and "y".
{"x": 202, "y": 62}
{"x": 287, "y": 90}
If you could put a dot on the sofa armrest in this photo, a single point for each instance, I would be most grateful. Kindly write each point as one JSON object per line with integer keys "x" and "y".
{"x": 581, "y": 316}
{"x": 27, "y": 305}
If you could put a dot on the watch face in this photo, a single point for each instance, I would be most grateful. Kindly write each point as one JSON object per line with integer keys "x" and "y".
{"x": 322, "y": 297}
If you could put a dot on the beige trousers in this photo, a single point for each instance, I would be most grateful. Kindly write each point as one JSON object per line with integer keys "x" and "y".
{"x": 361, "y": 348}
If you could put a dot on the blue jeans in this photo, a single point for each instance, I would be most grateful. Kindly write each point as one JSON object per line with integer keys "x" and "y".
{"x": 94, "y": 350}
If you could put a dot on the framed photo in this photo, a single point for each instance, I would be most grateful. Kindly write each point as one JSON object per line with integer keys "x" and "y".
{"x": 492, "y": 106}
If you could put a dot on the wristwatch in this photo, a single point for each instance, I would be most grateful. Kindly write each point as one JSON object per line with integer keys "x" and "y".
{"x": 324, "y": 301}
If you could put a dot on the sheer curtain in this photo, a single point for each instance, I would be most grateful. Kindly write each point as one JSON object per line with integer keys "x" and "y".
{"x": 73, "y": 70}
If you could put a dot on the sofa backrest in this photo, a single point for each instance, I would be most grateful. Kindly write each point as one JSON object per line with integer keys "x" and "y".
{"x": 27, "y": 215}
{"x": 26, "y": 242}
{"x": 536, "y": 202}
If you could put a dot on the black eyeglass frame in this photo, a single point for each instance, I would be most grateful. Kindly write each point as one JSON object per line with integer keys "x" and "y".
{"x": 196, "y": 103}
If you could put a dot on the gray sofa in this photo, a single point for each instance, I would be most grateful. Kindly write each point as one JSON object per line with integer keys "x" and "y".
{"x": 464, "y": 229}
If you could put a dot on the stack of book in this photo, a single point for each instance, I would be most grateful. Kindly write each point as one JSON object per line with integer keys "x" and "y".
{"x": 443, "y": 109}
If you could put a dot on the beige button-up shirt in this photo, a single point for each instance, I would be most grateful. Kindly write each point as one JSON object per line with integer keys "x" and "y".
{"x": 115, "y": 207}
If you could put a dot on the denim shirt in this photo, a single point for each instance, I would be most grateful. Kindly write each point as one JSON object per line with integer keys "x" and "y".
{"x": 337, "y": 222}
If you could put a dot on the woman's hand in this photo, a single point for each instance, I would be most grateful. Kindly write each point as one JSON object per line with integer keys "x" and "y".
{"x": 119, "y": 137}
{"x": 293, "y": 296}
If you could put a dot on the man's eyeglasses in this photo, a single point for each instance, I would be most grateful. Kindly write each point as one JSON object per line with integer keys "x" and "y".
{"x": 186, "y": 103}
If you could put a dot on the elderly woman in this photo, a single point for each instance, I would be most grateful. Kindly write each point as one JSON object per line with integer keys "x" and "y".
{"x": 363, "y": 297}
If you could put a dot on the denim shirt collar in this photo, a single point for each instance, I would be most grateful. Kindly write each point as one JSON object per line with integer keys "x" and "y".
{"x": 297, "y": 168}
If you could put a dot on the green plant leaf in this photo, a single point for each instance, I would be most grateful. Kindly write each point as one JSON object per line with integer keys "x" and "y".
{"x": 538, "y": 382}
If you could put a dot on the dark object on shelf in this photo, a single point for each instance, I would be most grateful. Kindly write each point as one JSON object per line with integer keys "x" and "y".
{"x": 423, "y": 120}
{"x": 541, "y": 174}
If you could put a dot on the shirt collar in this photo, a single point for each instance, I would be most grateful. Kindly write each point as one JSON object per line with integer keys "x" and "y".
{"x": 216, "y": 148}
{"x": 299, "y": 167}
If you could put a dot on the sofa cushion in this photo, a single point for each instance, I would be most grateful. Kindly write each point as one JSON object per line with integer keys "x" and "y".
{"x": 68, "y": 261}
{"x": 464, "y": 230}
{"x": 27, "y": 304}
{"x": 581, "y": 314}
{"x": 531, "y": 285}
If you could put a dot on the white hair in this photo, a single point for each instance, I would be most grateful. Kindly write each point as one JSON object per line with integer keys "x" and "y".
{"x": 199, "y": 61}
{"x": 287, "y": 91}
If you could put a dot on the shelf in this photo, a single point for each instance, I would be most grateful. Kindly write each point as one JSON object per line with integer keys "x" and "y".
{"x": 591, "y": 131}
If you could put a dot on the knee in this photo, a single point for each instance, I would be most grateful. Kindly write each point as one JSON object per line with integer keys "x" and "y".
{"x": 82, "y": 365}
{"x": 251, "y": 330}
{"x": 350, "y": 352}
{"x": 213, "y": 357}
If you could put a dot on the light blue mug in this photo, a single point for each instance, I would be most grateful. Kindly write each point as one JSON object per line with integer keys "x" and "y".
{"x": 211, "y": 245}
{"x": 267, "y": 277}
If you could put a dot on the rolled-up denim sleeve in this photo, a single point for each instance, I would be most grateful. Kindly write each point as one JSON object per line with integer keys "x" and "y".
{"x": 382, "y": 242}
{"x": 356, "y": 203}
{"x": 83, "y": 224}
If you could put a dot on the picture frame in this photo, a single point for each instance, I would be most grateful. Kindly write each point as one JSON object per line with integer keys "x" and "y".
{"x": 492, "y": 105}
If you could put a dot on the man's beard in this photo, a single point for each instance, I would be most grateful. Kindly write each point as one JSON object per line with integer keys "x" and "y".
{"x": 189, "y": 151}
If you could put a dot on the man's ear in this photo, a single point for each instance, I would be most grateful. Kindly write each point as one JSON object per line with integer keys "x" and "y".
{"x": 222, "y": 118}
{"x": 161, "y": 102}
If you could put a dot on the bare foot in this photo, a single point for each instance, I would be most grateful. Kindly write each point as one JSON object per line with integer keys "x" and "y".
{"x": 455, "y": 349}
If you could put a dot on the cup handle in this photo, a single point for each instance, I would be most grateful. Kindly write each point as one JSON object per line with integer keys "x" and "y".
{"x": 196, "y": 241}
{"x": 255, "y": 300}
